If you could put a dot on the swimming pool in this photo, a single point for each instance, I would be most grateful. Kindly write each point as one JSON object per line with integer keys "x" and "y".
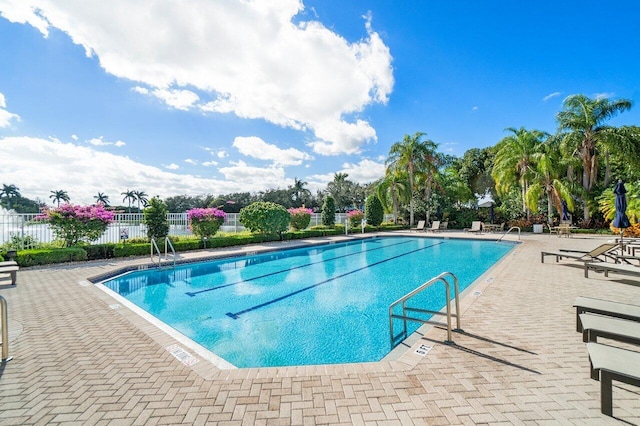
{"x": 315, "y": 305}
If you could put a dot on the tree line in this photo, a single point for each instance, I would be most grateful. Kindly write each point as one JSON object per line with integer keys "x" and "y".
{"x": 529, "y": 174}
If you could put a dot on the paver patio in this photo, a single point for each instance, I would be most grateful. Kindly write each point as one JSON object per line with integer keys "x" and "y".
{"x": 80, "y": 357}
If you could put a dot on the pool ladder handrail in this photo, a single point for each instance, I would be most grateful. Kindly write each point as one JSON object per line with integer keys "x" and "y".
{"x": 167, "y": 245}
{"x": 405, "y": 309}
{"x": 4, "y": 323}
{"x": 510, "y": 229}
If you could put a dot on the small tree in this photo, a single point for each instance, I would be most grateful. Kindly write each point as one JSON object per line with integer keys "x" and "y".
{"x": 373, "y": 211}
{"x": 265, "y": 218}
{"x": 205, "y": 222}
{"x": 155, "y": 217}
{"x": 355, "y": 218}
{"x": 329, "y": 211}
{"x": 300, "y": 218}
{"x": 73, "y": 223}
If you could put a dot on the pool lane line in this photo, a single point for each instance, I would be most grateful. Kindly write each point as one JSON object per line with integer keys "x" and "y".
{"x": 195, "y": 293}
{"x": 286, "y": 296}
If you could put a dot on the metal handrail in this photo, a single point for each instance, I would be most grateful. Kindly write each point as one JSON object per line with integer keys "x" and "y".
{"x": 4, "y": 318}
{"x": 155, "y": 245}
{"x": 510, "y": 229}
{"x": 405, "y": 309}
{"x": 167, "y": 242}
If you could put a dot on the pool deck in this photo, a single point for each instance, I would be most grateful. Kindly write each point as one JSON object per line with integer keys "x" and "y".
{"x": 81, "y": 357}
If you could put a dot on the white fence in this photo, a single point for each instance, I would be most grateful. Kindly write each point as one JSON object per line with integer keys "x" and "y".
{"x": 25, "y": 232}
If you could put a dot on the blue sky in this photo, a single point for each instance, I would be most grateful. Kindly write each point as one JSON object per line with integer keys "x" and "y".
{"x": 192, "y": 97}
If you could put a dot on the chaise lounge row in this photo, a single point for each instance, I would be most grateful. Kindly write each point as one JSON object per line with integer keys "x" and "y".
{"x": 10, "y": 267}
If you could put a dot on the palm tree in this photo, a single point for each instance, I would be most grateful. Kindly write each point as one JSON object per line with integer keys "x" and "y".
{"x": 299, "y": 193}
{"x": 129, "y": 196}
{"x": 141, "y": 197}
{"x": 59, "y": 195}
{"x": 514, "y": 161}
{"x": 546, "y": 181}
{"x": 407, "y": 155}
{"x": 8, "y": 192}
{"x": 392, "y": 189}
{"x": 583, "y": 121}
{"x": 102, "y": 198}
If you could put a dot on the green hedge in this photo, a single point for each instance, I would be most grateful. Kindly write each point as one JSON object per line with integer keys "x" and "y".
{"x": 48, "y": 256}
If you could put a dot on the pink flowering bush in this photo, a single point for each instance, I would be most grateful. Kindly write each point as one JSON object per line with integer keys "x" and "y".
{"x": 355, "y": 218}
{"x": 300, "y": 218}
{"x": 74, "y": 223}
{"x": 205, "y": 222}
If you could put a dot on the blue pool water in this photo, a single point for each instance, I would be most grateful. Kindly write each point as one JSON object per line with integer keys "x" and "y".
{"x": 315, "y": 305}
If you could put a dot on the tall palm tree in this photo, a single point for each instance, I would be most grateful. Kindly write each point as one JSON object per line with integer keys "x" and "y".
{"x": 59, "y": 195}
{"x": 546, "y": 180}
{"x": 129, "y": 196}
{"x": 8, "y": 192}
{"x": 299, "y": 193}
{"x": 407, "y": 155}
{"x": 141, "y": 197}
{"x": 392, "y": 189}
{"x": 514, "y": 161}
{"x": 585, "y": 133}
{"x": 102, "y": 198}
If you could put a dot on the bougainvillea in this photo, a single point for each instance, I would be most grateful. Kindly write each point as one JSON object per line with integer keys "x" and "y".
{"x": 300, "y": 217}
{"x": 205, "y": 222}
{"x": 355, "y": 218}
{"x": 74, "y": 223}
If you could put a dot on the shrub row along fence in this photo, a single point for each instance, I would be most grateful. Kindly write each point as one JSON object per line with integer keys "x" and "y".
{"x": 23, "y": 232}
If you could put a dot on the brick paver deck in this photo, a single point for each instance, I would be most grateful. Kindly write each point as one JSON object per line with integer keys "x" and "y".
{"x": 80, "y": 357}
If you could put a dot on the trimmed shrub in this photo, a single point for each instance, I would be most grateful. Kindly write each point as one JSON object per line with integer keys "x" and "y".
{"x": 265, "y": 218}
{"x": 155, "y": 217}
{"x": 205, "y": 223}
{"x": 48, "y": 256}
{"x": 300, "y": 218}
{"x": 373, "y": 211}
{"x": 73, "y": 223}
{"x": 99, "y": 251}
{"x": 328, "y": 214}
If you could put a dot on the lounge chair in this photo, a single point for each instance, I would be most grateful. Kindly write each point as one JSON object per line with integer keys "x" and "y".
{"x": 602, "y": 251}
{"x": 621, "y": 330}
{"x": 444, "y": 226}
{"x": 612, "y": 364}
{"x": 611, "y": 267}
{"x": 606, "y": 308}
{"x": 11, "y": 268}
{"x": 476, "y": 226}
{"x": 435, "y": 226}
{"x": 420, "y": 226}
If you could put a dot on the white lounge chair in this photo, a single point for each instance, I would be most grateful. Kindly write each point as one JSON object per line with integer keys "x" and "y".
{"x": 420, "y": 226}
{"x": 11, "y": 268}
{"x": 611, "y": 267}
{"x": 597, "y": 253}
{"x": 476, "y": 226}
{"x": 435, "y": 226}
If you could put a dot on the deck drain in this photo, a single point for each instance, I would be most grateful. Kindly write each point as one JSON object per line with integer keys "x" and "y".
{"x": 477, "y": 293}
{"x": 181, "y": 355}
{"x": 84, "y": 283}
{"x": 115, "y": 306}
{"x": 423, "y": 350}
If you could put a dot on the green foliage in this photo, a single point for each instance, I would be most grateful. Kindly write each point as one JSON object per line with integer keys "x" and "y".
{"x": 355, "y": 218}
{"x": 374, "y": 213}
{"x": 329, "y": 211}
{"x": 74, "y": 224}
{"x": 155, "y": 217}
{"x": 265, "y": 218}
{"x": 48, "y": 256}
{"x": 100, "y": 251}
{"x": 300, "y": 218}
{"x": 18, "y": 242}
{"x": 205, "y": 223}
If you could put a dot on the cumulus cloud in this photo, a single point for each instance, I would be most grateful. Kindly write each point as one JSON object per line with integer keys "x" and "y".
{"x": 38, "y": 166}
{"x": 551, "y": 96}
{"x": 604, "y": 95}
{"x": 365, "y": 171}
{"x": 255, "y": 147}
{"x": 5, "y": 116}
{"x": 172, "y": 166}
{"x": 255, "y": 59}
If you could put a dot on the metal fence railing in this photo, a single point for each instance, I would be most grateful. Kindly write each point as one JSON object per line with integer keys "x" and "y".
{"x": 24, "y": 232}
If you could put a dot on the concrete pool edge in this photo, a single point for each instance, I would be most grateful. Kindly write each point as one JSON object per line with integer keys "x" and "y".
{"x": 165, "y": 335}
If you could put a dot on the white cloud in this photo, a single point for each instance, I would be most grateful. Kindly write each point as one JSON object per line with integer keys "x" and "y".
{"x": 101, "y": 142}
{"x": 38, "y": 166}
{"x": 255, "y": 147}
{"x": 209, "y": 163}
{"x": 243, "y": 57}
{"x": 475, "y": 108}
{"x": 74, "y": 137}
{"x": 191, "y": 161}
{"x": 6, "y": 116}
{"x": 172, "y": 166}
{"x": 550, "y": 96}
{"x": 366, "y": 171}
{"x": 604, "y": 95}
{"x": 222, "y": 154}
